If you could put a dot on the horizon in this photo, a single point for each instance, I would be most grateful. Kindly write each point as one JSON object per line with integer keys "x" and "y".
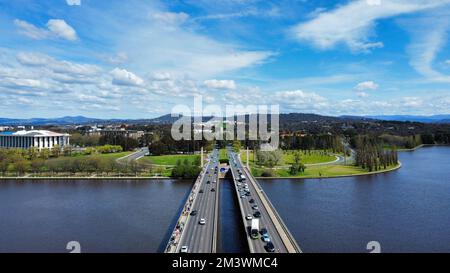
{"x": 444, "y": 116}
{"x": 135, "y": 59}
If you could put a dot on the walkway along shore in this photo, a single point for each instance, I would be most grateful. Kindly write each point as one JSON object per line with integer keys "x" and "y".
{"x": 337, "y": 176}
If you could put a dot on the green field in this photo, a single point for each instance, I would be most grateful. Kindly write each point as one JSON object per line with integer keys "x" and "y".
{"x": 111, "y": 155}
{"x": 307, "y": 157}
{"x": 167, "y": 159}
{"x": 223, "y": 154}
{"x": 319, "y": 171}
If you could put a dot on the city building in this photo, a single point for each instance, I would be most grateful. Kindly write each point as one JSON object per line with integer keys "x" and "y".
{"x": 122, "y": 132}
{"x": 35, "y": 138}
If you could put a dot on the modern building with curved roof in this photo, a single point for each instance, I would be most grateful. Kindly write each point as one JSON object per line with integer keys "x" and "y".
{"x": 40, "y": 139}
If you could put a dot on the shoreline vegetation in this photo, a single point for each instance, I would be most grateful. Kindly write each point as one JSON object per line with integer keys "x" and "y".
{"x": 352, "y": 171}
{"x": 311, "y": 172}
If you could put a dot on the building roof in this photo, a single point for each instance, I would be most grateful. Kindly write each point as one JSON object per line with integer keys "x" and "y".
{"x": 43, "y": 133}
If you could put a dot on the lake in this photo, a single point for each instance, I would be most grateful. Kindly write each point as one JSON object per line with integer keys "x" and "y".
{"x": 405, "y": 211}
{"x": 103, "y": 216}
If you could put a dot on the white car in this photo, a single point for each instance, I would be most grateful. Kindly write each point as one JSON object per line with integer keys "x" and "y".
{"x": 202, "y": 221}
{"x": 184, "y": 249}
{"x": 249, "y": 217}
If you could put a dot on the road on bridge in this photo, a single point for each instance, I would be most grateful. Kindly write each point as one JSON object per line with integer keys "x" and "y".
{"x": 258, "y": 245}
{"x": 201, "y": 238}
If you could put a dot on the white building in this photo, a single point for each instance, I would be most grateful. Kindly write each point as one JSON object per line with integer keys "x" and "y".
{"x": 36, "y": 138}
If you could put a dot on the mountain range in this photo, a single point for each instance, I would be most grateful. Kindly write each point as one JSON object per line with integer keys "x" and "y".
{"x": 168, "y": 119}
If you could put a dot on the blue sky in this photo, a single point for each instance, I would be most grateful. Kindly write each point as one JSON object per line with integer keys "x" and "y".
{"x": 137, "y": 59}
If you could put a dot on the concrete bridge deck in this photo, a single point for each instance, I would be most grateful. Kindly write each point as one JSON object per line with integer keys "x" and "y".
{"x": 279, "y": 234}
{"x": 204, "y": 199}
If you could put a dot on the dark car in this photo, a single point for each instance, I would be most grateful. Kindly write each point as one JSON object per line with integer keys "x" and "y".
{"x": 194, "y": 212}
{"x": 200, "y": 191}
{"x": 263, "y": 231}
{"x": 257, "y": 214}
{"x": 213, "y": 190}
{"x": 208, "y": 182}
{"x": 252, "y": 201}
{"x": 247, "y": 193}
{"x": 270, "y": 247}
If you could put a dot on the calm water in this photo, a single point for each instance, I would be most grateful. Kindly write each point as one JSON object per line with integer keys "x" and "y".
{"x": 231, "y": 238}
{"x": 406, "y": 211}
{"x": 104, "y": 216}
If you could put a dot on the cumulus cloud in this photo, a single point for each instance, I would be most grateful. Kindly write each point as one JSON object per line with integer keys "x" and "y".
{"x": 73, "y": 2}
{"x": 367, "y": 85}
{"x": 353, "y": 24}
{"x": 124, "y": 77}
{"x": 61, "y": 29}
{"x": 220, "y": 84}
{"x": 55, "y": 28}
{"x": 299, "y": 100}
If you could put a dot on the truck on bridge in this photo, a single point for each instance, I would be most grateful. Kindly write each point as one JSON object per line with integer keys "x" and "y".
{"x": 255, "y": 229}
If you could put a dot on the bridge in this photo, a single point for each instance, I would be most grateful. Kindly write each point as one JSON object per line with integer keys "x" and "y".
{"x": 191, "y": 234}
{"x": 279, "y": 235}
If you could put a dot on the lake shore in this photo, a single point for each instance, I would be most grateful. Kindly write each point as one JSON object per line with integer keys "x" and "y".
{"x": 334, "y": 176}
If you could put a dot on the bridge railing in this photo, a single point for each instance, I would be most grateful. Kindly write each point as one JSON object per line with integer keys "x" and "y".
{"x": 177, "y": 234}
{"x": 289, "y": 236}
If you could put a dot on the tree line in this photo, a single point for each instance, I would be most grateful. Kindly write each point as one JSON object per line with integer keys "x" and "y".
{"x": 186, "y": 169}
{"x": 370, "y": 154}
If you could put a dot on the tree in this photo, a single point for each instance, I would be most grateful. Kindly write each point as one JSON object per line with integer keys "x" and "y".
{"x": 37, "y": 164}
{"x": 3, "y": 166}
{"x": 21, "y": 166}
{"x": 56, "y": 151}
{"x": 44, "y": 154}
{"x": 236, "y": 146}
{"x": 297, "y": 166}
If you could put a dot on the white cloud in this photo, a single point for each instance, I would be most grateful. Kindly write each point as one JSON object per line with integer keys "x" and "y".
{"x": 220, "y": 84}
{"x": 429, "y": 36}
{"x": 353, "y": 24}
{"x": 118, "y": 58}
{"x": 61, "y": 29}
{"x": 31, "y": 30}
{"x": 73, "y": 2}
{"x": 161, "y": 76}
{"x": 124, "y": 77}
{"x": 20, "y": 82}
{"x": 164, "y": 43}
{"x": 55, "y": 28}
{"x": 362, "y": 94}
{"x": 169, "y": 18}
{"x": 299, "y": 100}
{"x": 33, "y": 59}
{"x": 60, "y": 70}
{"x": 367, "y": 85}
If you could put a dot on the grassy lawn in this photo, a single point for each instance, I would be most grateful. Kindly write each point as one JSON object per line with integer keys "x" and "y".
{"x": 111, "y": 155}
{"x": 312, "y": 157}
{"x": 223, "y": 154}
{"x": 319, "y": 171}
{"x": 167, "y": 159}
